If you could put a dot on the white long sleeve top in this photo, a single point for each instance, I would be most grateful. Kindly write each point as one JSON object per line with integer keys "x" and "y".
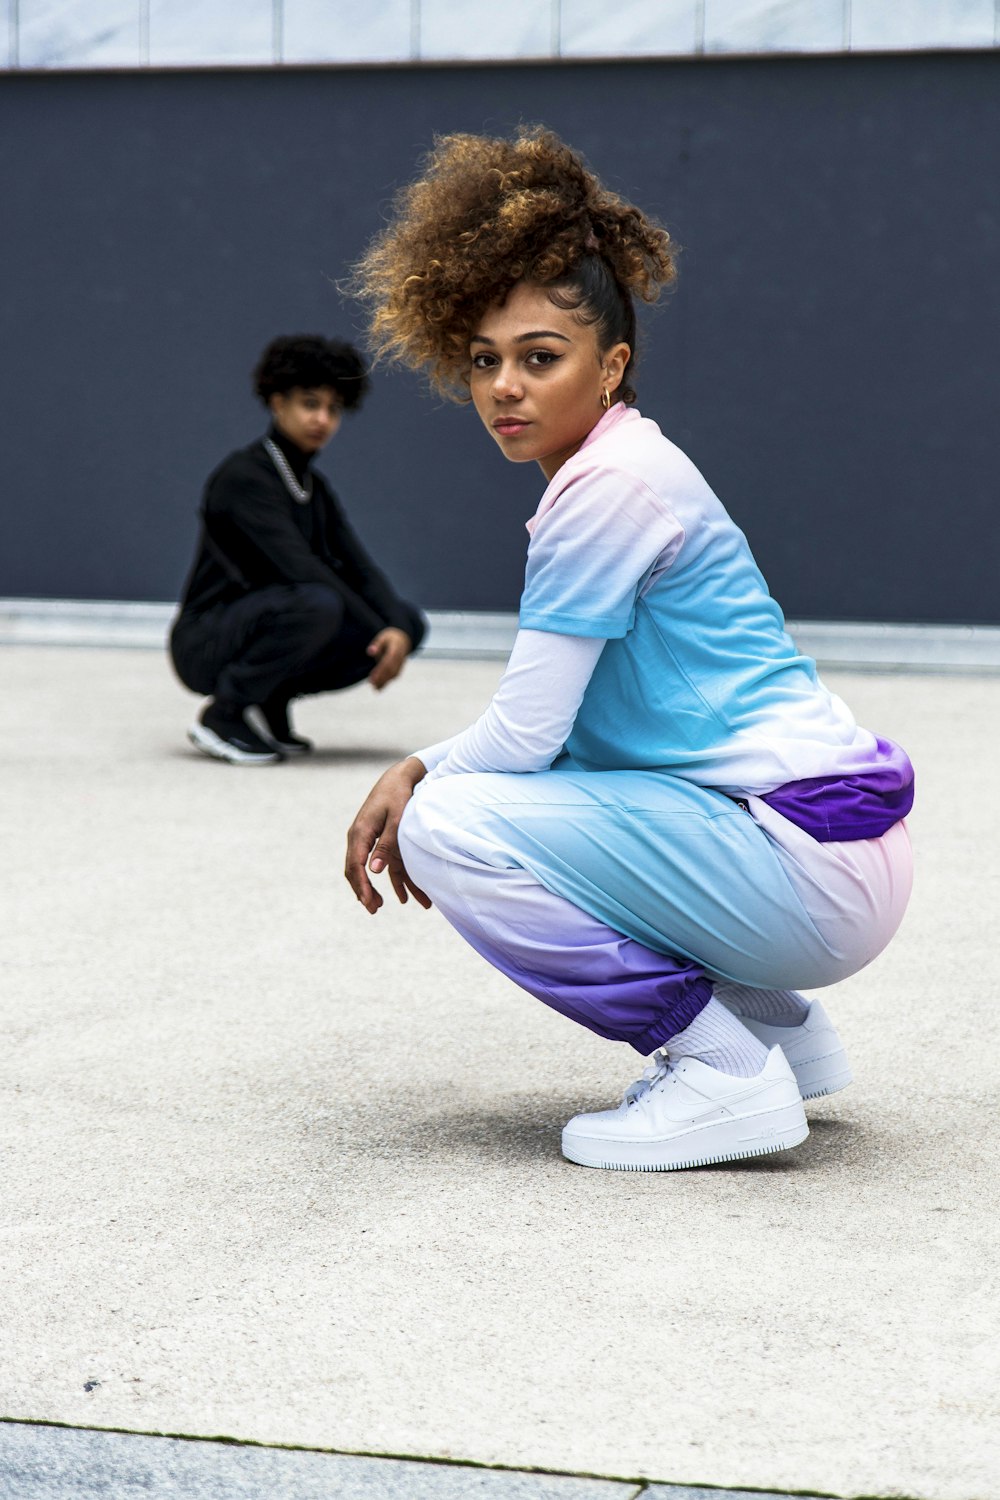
{"x": 532, "y": 712}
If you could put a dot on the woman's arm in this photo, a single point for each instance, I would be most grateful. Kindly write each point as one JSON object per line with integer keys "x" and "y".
{"x": 583, "y": 575}
{"x": 432, "y": 755}
{"x": 531, "y": 713}
{"x": 524, "y": 728}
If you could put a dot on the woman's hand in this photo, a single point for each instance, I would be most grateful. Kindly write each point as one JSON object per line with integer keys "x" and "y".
{"x": 390, "y": 647}
{"x": 372, "y": 837}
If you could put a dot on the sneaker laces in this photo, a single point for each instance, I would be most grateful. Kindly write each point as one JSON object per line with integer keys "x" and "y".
{"x": 660, "y": 1065}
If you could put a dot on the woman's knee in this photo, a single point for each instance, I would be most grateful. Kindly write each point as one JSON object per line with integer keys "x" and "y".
{"x": 417, "y": 833}
{"x": 436, "y": 819}
{"x": 465, "y": 817}
{"x": 424, "y": 864}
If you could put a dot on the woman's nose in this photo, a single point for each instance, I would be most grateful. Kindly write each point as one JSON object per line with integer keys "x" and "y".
{"x": 506, "y": 384}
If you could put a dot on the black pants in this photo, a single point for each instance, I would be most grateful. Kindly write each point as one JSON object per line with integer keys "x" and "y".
{"x": 275, "y": 644}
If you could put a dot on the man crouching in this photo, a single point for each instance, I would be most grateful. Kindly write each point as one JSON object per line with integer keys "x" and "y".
{"x": 283, "y": 599}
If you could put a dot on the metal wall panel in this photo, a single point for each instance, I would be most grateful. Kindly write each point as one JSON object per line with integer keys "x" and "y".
{"x": 828, "y": 359}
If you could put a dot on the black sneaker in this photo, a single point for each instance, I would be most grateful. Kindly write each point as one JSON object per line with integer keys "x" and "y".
{"x": 222, "y": 731}
{"x": 273, "y": 724}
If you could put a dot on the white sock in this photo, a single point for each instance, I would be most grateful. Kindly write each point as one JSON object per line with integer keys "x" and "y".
{"x": 717, "y": 1038}
{"x": 776, "y": 1007}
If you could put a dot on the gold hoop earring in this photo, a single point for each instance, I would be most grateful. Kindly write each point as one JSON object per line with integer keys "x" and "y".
{"x": 606, "y": 399}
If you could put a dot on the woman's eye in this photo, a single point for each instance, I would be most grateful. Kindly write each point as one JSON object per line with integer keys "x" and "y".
{"x": 542, "y": 357}
{"x": 483, "y": 361}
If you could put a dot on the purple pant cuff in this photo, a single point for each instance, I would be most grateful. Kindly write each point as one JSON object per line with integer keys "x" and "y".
{"x": 696, "y": 996}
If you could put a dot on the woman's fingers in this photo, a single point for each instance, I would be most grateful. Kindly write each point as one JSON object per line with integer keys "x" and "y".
{"x": 402, "y": 884}
{"x": 397, "y": 876}
{"x": 385, "y": 853}
{"x": 359, "y": 843}
{"x": 363, "y": 888}
{"x": 386, "y": 856}
{"x": 362, "y": 857}
{"x": 372, "y": 845}
{"x": 418, "y": 895}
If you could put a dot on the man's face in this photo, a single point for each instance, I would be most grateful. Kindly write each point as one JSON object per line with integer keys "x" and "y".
{"x": 308, "y": 417}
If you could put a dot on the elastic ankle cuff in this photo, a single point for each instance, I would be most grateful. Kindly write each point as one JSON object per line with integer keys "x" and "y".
{"x": 681, "y": 1014}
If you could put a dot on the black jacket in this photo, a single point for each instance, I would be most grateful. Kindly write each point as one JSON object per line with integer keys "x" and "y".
{"x": 254, "y": 535}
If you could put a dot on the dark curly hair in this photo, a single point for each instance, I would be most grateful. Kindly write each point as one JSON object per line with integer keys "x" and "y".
{"x": 487, "y": 213}
{"x": 308, "y": 360}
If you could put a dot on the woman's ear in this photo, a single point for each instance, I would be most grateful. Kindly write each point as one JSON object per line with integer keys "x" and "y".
{"x": 613, "y": 365}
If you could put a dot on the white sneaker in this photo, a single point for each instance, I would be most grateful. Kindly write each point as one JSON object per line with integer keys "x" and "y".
{"x": 814, "y": 1050}
{"x": 682, "y": 1113}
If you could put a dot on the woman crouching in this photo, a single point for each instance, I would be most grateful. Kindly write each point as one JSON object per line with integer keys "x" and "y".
{"x": 663, "y": 825}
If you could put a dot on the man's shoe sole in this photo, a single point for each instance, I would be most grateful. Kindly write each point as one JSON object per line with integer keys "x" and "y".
{"x": 210, "y": 743}
{"x": 758, "y": 1134}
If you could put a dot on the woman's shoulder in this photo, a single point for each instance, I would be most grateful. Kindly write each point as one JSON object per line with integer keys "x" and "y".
{"x": 638, "y": 445}
{"x": 627, "y": 447}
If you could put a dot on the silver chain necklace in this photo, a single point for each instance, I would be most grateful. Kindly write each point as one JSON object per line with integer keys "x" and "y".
{"x": 303, "y": 494}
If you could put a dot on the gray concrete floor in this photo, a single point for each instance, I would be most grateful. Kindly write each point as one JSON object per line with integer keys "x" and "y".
{"x": 280, "y": 1171}
{"x": 40, "y": 1462}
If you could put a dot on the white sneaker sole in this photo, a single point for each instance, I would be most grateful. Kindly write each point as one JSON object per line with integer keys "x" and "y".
{"x": 823, "y": 1075}
{"x": 758, "y": 1134}
{"x": 210, "y": 743}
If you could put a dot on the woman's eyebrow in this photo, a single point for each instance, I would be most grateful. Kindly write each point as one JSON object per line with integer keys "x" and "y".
{"x": 523, "y": 338}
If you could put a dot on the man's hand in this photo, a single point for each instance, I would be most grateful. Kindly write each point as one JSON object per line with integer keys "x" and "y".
{"x": 372, "y": 838}
{"x": 390, "y": 647}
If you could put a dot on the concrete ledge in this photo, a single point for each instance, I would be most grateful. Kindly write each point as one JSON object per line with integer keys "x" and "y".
{"x": 908, "y": 648}
{"x": 114, "y": 622}
{"x": 864, "y": 645}
{"x": 83, "y": 622}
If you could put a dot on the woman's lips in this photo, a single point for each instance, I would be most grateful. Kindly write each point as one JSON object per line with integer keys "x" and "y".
{"x": 509, "y": 426}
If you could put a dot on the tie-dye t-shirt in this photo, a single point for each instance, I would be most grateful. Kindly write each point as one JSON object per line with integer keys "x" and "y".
{"x": 698, "y": 676}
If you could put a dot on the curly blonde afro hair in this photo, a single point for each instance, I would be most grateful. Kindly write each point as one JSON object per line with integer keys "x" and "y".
{"x": 485, "y": 214}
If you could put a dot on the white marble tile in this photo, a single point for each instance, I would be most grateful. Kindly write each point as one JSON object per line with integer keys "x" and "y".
{"x": 897, "y": 25}
{"x": 485, "y": 28}
{"x": 775, "y": 25}
{"x": 78, "y": 34}
{"x": 630, "y": 28}
{"x": 208, "y": 32}
{"x": 345, "y": 31}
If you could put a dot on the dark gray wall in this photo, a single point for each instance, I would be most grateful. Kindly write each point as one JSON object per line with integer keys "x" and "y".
{"x": 829, "y": 358}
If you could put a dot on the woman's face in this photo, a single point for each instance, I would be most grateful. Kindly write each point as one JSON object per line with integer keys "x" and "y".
{"x": 537, "y": 376}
